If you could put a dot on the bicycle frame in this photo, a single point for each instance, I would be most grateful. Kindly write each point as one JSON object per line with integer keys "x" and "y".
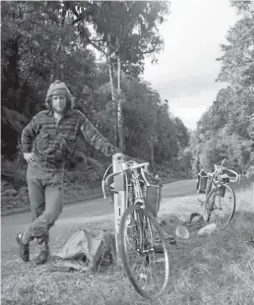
{"x": 137, "y": 225}
{"x": 132, "y": 168}
{"x": 216, "y": 177}
{"x": 135, "y": 179}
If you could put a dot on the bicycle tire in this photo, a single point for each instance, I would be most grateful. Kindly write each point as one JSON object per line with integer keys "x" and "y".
{"x": 209, "y": 209}
{"x": 122, "y": 248}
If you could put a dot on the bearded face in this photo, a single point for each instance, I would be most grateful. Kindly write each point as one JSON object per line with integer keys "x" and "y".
{"x": 59, "y": 103}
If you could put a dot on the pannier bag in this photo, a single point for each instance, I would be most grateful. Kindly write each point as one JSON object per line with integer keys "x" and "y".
{"x": 222, "y": 191}
{"x": 224, "y": 179}
{"x": 202, "y": 182}
{"x": 153, "y": 198}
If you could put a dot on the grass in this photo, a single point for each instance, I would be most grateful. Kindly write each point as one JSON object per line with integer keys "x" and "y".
{"x": 204, "y": 270}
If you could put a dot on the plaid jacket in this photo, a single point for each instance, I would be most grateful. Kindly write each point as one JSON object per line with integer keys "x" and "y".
{"x": 47, "y": 139}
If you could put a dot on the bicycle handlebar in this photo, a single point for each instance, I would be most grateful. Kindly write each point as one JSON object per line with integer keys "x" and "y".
{"x": 125, "y": 168}
{"x": 220, "y": 168}
{"x": 136, "y": 166}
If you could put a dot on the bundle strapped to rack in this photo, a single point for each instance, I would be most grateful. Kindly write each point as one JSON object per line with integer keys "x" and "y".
{"x": 202, "y": 182}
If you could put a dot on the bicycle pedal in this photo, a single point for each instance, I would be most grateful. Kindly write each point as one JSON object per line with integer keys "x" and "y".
{"x": 171, "y": 240}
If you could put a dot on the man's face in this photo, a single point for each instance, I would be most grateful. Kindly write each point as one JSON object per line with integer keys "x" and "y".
{"x": 59, "y": 103}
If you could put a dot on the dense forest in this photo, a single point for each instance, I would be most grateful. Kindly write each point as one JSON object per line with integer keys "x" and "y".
{"x": 43, "y": 41}
{"x": 226, "y": 129}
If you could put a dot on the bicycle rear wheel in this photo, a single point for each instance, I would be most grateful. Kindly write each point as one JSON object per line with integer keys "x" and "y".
{"x": 220, "y": 206}
{"x": 144, "y": 252}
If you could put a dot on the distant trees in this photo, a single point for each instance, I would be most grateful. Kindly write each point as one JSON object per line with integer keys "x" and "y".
{"x": 227, "y": 128}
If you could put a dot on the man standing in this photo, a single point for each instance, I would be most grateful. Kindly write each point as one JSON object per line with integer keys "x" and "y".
{"x": 47, "y": 142}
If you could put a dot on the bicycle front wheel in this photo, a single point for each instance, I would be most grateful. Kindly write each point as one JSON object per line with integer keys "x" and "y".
{"x": 220, "y": 206}
{"x": 144, "y": 252}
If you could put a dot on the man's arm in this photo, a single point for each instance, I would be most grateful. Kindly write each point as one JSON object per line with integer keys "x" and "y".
{"x": 96, "y": 139}
{"x": 28, "y": 134}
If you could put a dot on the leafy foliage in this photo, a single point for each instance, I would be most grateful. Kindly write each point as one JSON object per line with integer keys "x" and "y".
{"x": 45, "y": 40}
{"x": 128, "y": 29}
{"x": 226, "y": 129}
{"x": 124, "y": 33}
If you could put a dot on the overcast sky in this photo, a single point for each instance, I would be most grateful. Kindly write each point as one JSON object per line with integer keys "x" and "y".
{"x": 187, "y": 68}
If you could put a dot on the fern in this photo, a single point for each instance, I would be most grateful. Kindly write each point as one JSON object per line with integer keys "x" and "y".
{"x": 14, "y": 118}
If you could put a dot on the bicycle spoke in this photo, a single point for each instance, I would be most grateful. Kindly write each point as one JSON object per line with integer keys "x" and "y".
{"x": 221, "y": 206}
{"x": 147, "y": 269}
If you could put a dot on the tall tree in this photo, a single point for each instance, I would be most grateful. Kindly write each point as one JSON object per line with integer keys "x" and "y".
{"x": 226, "y": 127}
{"x": 124, "y": 32}
{"x": 30, "y": 52}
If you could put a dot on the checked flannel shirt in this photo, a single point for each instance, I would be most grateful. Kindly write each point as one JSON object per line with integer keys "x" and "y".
{"x": 46, "y": 138}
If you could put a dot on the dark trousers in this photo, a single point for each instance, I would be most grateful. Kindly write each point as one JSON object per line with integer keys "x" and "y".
{"x": 45, "y": 189}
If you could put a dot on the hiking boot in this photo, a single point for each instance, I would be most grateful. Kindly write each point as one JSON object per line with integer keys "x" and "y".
{"x": 43, "y": 255}
{"x": 23, "y": 248}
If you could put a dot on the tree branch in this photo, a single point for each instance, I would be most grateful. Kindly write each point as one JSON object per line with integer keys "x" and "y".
{"x": 92, "y": 43}
{"x": 150, "y": 51}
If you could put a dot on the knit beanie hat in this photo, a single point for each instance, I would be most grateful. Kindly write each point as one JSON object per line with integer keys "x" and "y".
{"x": 59, "y": 87}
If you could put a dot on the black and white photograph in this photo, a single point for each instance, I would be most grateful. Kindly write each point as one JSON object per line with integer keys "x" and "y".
{"x": 127, "y": 152}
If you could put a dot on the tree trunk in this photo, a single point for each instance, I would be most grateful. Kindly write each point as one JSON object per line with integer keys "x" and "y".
{"x": 57, "y": 68}
{"x": 152, "y": 154}
{"x": 110, "y": 69}
{"x": 119, "y": 107}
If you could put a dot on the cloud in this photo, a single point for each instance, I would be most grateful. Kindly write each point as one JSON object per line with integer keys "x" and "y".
{"x": 190, "y": 115}
{"x": 187, "y": 66}
{"x": 186, "y": 87}
{"x": 191, "y": 108}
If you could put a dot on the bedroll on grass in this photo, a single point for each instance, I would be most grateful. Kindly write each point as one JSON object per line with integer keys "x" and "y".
{"x": 86, "y": 250}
